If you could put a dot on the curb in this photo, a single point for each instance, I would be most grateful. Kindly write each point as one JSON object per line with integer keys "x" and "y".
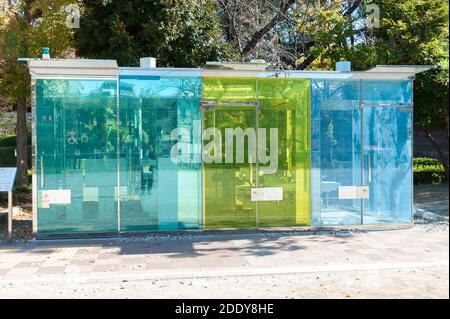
{"x": 425, "y": 214}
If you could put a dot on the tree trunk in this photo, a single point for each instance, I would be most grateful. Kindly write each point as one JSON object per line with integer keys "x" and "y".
{"x": 21, "y": 140}
{"x": 441, "y": 153}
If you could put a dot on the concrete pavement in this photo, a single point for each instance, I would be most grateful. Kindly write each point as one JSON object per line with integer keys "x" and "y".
{"x": 77, "y": 263}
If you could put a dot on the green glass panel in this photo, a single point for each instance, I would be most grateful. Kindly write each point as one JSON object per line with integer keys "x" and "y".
{"x": 284, "y": 111}
{"x": 160, "y": 151}
{"x": 76, "y": 155}
{"x": 228, "y": 179}
{"x": 229, "y": 89}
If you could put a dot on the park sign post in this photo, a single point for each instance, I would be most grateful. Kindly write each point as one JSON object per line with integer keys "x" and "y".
{"x": 7, "y": 176}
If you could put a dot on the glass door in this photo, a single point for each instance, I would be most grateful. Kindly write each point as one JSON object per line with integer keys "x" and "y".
{"x": 283, "y": 152}
{"x": 229, "y": 157}
{"x": 387, "y": 151}
{"x": 336, "y": 152}
{"x": 361, "y": 152}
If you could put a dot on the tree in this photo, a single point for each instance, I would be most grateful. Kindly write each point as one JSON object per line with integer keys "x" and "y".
{"x": 26, "y": 27}
{"x": 259, "y": 29}
{"x": 410, "y": 32}
{"x": 178, "y": 33}
{"x": 431, "y": 107}
{"x": 274, "y": 30}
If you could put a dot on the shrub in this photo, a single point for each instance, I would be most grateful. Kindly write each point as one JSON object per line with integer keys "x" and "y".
{"x": 426, "y": 164}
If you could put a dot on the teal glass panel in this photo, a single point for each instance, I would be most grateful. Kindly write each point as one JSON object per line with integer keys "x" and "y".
{"x": 76, "y": 155}
{"x": 335, "y": 151}
{"x": 160, "y": 153}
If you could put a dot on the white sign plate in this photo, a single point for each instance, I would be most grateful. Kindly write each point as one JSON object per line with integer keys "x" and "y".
{"x": 55, "y": 196}
{"x": 353, "y": 192}
{"x": 7, "y": 176}
{"x": 267, "y": 194}
{"x": 362, "y": 192}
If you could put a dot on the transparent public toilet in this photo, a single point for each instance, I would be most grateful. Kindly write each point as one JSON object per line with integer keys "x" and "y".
{"x": 233, "y": 145}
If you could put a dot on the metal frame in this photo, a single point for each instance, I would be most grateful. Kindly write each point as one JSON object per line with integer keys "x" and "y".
{"x": 412, "y": 152}
{"x": 118, "y": 152}
{"x": 34, "y": 185}
{"x": 361, "y": 108}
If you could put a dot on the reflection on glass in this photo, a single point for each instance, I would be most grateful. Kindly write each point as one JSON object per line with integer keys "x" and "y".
{"x": 160, "y": 122}
{"x": 336, "y": 151}
{"x": 279, "y": 119}
{"x": 383, "y": 126}
{"x": 150, "y": 154}
{"x": 387, "y": 92}
{"x": 284, "y": 105}
{"x": 227, "y": 182}
{"x": 387, "y": 153}
{"x": 76, "y": 151}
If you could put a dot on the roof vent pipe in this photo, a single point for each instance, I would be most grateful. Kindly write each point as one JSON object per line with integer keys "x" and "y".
{"x": 343, "y": 66}
{"x": 147, "y": 62}
{"x": 45, "y": 53}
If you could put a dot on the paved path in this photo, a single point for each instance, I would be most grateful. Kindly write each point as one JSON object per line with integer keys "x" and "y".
{"x": 431, "y": 202}
{"x": 410, "y": 262}
{"x": 430, "y": 193}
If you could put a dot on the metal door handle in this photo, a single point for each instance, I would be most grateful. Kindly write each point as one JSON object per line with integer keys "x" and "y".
{"x": 370, "y": 170}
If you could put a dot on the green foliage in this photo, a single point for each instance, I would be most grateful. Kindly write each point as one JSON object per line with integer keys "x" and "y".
{"x": 428, "y": 171}
{"x": 410, "y": 32}
{"x": 178, "y": 33}
{"x": 10, "y": 140}
{"x": 426, "y": 164}
{"x": 26, "y": 27}
{"x": 421, "y": 178}
{"x": 431, "y": 98}
{"x": 21, "y": 195}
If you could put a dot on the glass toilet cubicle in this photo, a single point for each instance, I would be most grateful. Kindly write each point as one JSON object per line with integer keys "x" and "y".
{"x": 76, "y": 155}
{"x": 361, "y": 151}
{"x": 142, "y": 149}
{"x": 160, "y": 149}
{"x": 256, "y": 138}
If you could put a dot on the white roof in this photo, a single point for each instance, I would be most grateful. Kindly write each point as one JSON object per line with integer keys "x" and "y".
{"x": 62, "y": 68}
{"x": 108, "y": 68}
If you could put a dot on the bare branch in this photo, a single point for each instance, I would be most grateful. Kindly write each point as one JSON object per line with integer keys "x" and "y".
{"x": 279, "y": 16}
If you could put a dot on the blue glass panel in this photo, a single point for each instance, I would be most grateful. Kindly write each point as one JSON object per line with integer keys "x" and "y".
{"x": 388, "y": 164}
{"x": 387, "y": 92}
{"x": 335, "y": 150}
{"x": 160, "y": 152}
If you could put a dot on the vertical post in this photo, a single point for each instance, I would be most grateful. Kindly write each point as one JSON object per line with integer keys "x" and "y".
{"x": 34, "y": 154}
{"x": 118, "y": 149}
{"x": 257, "y": 147}
{"x": 10, "y": 213}
{"x": 361, "y": 107}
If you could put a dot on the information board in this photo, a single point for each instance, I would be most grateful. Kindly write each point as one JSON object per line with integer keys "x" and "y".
{"x": 7, "y": 176}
